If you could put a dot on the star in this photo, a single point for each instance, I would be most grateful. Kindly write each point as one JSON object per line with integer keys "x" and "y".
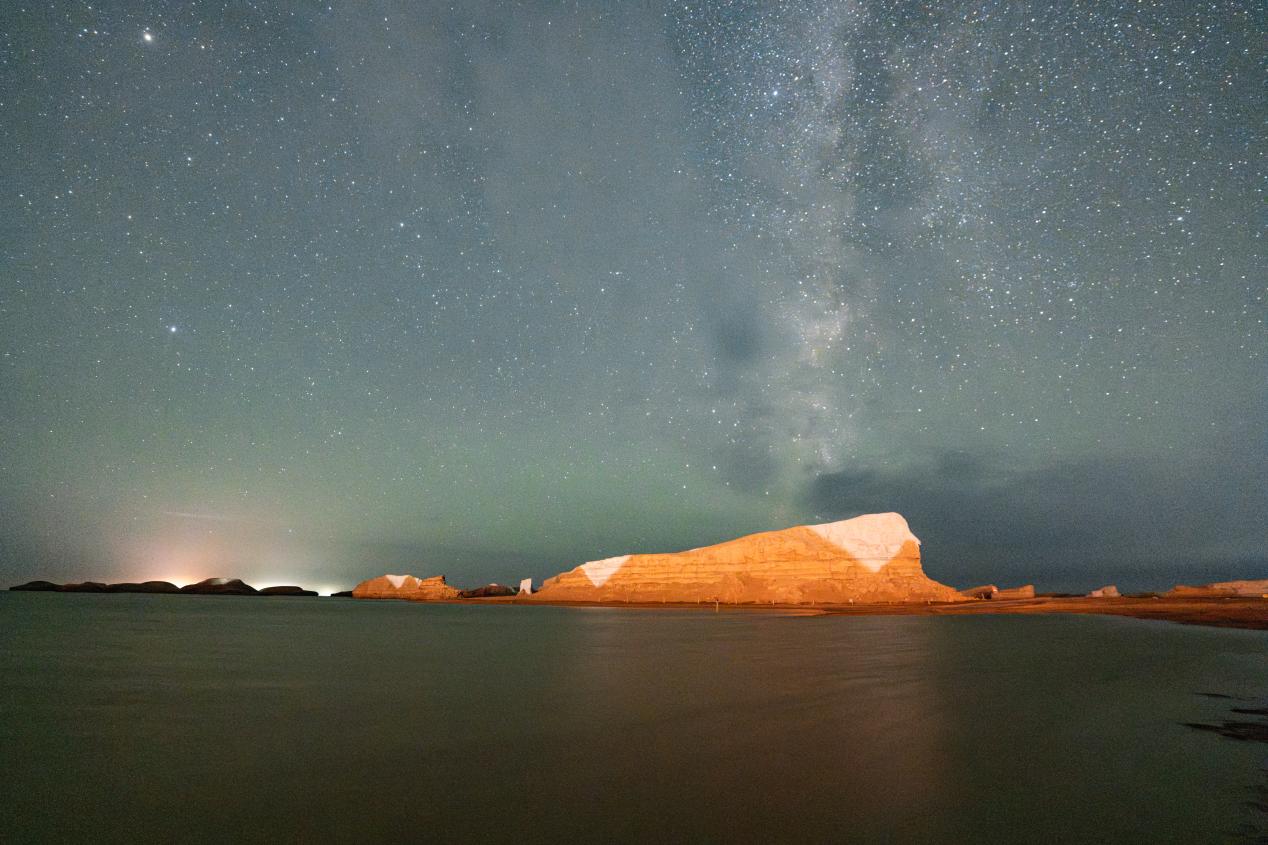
{"x": 826, "y": 247}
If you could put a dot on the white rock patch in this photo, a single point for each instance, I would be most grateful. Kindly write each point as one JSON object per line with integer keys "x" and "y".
{"x": 872, "y": 539}
{"x": 599, "y": 571}
{"x": 397, "y": 580}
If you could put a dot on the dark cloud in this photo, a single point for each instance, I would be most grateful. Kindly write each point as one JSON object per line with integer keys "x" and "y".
{"x": 1063, "y": 524}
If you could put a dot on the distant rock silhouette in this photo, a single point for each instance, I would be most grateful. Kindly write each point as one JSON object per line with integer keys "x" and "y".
{"x": 84, "y": 587}
{"x": 287, "y": 591}
{"x": 144, "y": 587}
{"x": 1107, "y": 592}
{"x": 342, "y": 594}
{"x": 488, "y": 591}
{"x": 207, "y": 587}
{"x": 36, "y": 587}
{"x": 220, "y": 587}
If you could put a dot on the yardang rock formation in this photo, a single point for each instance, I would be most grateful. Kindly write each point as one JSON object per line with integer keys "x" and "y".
{"x": 405, "y": 587}
{"x": 871, "y": 558}
{"x": 1221, "y": 589}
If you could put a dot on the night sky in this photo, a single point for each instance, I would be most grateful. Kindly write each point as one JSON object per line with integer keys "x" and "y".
{"x": 306, "y": 293}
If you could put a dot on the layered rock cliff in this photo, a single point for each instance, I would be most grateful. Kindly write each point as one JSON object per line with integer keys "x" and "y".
{"x": 871, "y": 558}
{"x": 405, "y": 587}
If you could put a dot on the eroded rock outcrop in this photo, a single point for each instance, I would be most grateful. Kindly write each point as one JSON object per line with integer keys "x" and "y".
{"x": 986, "y": 591}
{"x": 488, "y": 591}
{"x": 871, "y": 558}
{"x": 1026, "y": 592}
{"x": 1107, "y": 592}
{"x": 405, "y": 587}
{"x": 1252, "y": 589}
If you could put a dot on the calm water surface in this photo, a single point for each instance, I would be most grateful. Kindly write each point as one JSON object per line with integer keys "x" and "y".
{"x": 185, "y": 718}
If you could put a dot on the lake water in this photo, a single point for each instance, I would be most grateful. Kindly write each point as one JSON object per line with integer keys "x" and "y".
{"x": 184, "y": 718}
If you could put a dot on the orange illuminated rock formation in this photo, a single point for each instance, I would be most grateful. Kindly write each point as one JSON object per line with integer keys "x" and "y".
{"x": 1253, "y": 589}
{"x": 405, "y": 587}
{"x": 871, "y": 558}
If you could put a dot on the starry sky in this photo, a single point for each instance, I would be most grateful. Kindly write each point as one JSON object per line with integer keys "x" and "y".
{"x": 306, "y": 293}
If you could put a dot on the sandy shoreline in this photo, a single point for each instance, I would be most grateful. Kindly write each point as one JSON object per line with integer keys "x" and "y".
{"x": 1224, "y": 612}
{"x": 1215, "y": 611}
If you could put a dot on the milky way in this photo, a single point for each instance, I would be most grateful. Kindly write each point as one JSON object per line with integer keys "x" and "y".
{"x": 493, "y": 288}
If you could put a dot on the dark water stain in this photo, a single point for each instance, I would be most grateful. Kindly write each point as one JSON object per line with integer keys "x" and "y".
{"x": 1244, "y": 730}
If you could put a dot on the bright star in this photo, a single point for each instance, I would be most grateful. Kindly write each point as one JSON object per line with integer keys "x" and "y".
{"x": 172, "y": 329}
